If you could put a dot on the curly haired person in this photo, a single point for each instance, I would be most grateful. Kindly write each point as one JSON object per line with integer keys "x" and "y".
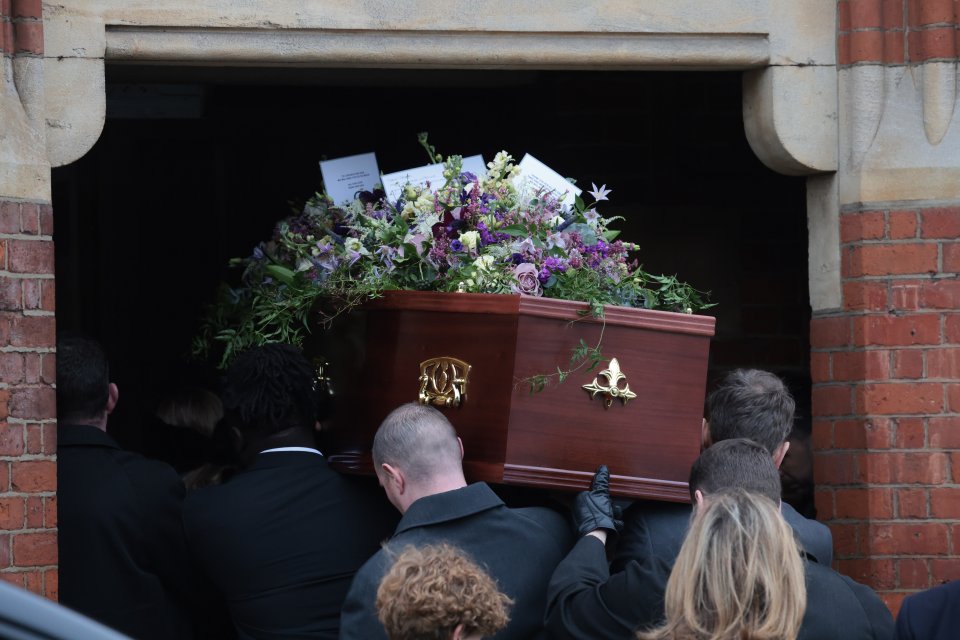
{"x": 436, "y": 593}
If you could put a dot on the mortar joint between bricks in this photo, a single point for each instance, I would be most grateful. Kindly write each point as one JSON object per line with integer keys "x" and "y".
{"x": 12, "y": 349}
{"x": 26, "y": 236}
{"x": 15, "y": 275}
{"x": 899, "y": 205}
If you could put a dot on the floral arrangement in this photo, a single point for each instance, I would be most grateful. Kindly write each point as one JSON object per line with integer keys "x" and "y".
{"x": 475, "y": 234}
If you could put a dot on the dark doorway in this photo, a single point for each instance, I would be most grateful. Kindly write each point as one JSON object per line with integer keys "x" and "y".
{"x": 195, "y": 165}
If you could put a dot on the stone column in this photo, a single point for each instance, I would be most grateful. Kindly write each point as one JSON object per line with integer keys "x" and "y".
{"x": 28, "y": 514}
{"x": 886, "y": 362}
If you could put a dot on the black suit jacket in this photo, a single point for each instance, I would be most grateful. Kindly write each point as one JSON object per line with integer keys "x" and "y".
{"x": 931, "y": 615}
{"x": 519, "y": 548}
{"x": 585, "y": 603}
{"x": 839, "y": 608}
{"x": 123, "y": 557}
{"x": 283, "y": 539}
{"x": 632, "y": 597}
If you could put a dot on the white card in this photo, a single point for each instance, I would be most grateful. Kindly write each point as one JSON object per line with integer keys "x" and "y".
{"x": 537, "y": 177}
{"x": 344, "y": 177}
{"x": 393, "y": 183}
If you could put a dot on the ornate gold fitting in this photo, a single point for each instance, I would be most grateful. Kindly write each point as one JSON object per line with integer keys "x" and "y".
{"x": 443, "y": 381}
{"x": 612, "y": 389}
{"x": 321, "y": 379}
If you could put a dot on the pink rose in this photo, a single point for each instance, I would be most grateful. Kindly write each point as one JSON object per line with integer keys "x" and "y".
{"x": 527, "y": 282}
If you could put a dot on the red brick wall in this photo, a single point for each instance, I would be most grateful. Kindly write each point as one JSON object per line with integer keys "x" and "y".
{"x": 28, "y": 510}
{"x": 28, "y": 478}
{"x": 895, "y": 32}
{"x": 886, "y": 400}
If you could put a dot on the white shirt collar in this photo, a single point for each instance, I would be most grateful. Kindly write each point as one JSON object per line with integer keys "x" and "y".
{"x": 283, "y": 449}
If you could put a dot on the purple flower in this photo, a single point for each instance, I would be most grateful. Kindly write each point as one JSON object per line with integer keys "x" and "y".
{"x": 527, "y": 282}
{"x": 554, "y": 264}
{"x": 438, "y": 252}
{"x": 258, "y": 253}
{"x": 486, "y": 237}
{"x": 326, "y": 259}
{"x": 456, "y": 245}
{"x": 387, "y": 254}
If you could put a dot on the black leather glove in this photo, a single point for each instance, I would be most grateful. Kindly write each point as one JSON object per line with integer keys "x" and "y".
{"x": 594, "y": 509}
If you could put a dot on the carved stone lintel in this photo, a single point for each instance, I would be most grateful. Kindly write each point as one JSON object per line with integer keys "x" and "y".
{"x": 793, "y": 35}
{"x": 790, "y": 118}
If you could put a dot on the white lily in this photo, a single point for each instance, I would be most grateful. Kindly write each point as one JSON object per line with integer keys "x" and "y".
{"x": 601, "y": 193}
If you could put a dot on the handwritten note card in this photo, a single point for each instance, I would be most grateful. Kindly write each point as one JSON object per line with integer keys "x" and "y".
{"x": 344, "y": 177}
{"x": 538, "y": 178}
{"x": 393, "y": 183}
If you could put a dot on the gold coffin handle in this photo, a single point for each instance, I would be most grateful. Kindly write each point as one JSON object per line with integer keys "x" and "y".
{"x": 443, "y": 381}
{"x": 612, "y": 389}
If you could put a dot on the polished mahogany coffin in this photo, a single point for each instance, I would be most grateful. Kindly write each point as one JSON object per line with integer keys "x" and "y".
{"x": 472, "y": 356}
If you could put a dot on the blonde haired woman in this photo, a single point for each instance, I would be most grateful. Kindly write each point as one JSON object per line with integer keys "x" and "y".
{"x": 739, "y": 575}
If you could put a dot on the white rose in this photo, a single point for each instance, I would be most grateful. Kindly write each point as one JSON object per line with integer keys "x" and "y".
{"x": 470, "y": 239}
{"x": 353, "y": 244}
{"x": 483, "y": 263}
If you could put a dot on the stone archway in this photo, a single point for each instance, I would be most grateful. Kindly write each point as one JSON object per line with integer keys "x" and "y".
{"x": 54, "y": 91}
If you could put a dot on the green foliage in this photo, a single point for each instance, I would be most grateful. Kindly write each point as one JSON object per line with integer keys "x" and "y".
{"x": 582, "y": 356}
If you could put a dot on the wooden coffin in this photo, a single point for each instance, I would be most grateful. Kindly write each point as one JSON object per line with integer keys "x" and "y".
{"x": 554, "y": 438}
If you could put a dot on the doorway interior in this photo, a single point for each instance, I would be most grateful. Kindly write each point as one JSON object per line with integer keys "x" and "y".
{"x": 196, "y": 164}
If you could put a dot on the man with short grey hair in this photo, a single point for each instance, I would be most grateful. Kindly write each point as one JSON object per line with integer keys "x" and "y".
{"x": 748, "y": 403}
{"x": 418, "y": 460}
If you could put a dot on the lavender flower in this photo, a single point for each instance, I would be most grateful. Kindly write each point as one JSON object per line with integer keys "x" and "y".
{"x": 326, "y": 258}
{"x": 556, "y": 240}
{"x": 387, "y": 254}
{"x": 526, "y": 247}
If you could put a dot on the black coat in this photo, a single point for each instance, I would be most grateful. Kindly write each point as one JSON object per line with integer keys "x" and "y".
{"x": 283, "y": 539}
{"x": 931, "y": 615}
{"x": 519, "y": 548}
{"x": 632, "y": 597}
{"x": 123, "y": 557}
{"x": 839, "y": 608}
{"x": 587, "y": 603}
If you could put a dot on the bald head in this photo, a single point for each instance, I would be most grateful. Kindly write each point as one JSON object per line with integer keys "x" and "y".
{"x": 419, "y": 440}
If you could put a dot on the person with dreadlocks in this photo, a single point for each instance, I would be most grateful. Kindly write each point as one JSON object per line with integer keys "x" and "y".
{"x": 283, "y": 538}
